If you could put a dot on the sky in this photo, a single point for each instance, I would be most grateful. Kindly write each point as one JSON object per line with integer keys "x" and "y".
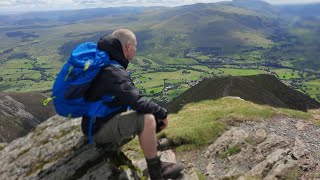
{"x": 36, "y": 5}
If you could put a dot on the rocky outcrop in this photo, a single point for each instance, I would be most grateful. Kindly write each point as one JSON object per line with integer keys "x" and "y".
{"x": 280, "y": 149}
{"x": 20, "y": 112}
{"x": 56, "y": 149}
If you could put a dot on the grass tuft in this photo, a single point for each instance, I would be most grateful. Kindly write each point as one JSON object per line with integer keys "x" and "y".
{"x": 201, "y": 175}
{"x": 230, "y": 151}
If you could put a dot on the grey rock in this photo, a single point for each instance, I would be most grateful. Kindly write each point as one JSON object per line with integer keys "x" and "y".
{"x": 301, "y": 126}
{"x": 260, "y": 135}
{"x": 270, "y": 150}
{"x": 265, "y": 165}
{"x": 56, "y": 149}
{"x": 233, "y": 137}
{"x": 210, "y": 170}
{"x": 167, "y": 156}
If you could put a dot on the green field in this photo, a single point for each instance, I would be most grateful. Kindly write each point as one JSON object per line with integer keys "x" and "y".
{"x": 151, "y": 76}
{"x": 237, "y": 72}
{"x": 286, "y": 74}
{"x": 24, "y": 75}
{"x": 313, "y": 88}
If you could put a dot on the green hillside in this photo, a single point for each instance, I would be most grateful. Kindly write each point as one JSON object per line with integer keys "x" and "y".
{"x": 205, "y": 40}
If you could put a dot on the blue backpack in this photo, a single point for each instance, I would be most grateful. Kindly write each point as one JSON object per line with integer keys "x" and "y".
{"x": 74, "y": 80}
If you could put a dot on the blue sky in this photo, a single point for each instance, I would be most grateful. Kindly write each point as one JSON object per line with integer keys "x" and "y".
{"x": 18, "y": 5}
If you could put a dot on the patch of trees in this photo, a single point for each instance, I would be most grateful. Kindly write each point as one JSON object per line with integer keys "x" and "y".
{"x": 253, "y": 49}
{"x": 7, "y": 51}
{"x": 22, "y": 55}
{"x": 27, "y": 78}
{"x": 71, "y": 34}
{"x": 185, "y": 72}
{"x": 209, "y": 50}
{"x": 22, "y": 34}
{"x": 146, "y": 61}
{"x": 32, "y": 20}
{"x": 172, "y": 54}
{"x": 273, "y": 64}
{"x": 282, "y": 35}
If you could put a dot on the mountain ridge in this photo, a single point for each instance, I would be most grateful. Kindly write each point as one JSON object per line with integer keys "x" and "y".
{"x": 260, "y": 89}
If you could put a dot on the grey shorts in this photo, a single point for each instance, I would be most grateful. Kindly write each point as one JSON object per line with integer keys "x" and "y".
{"x": 122, "y": 127}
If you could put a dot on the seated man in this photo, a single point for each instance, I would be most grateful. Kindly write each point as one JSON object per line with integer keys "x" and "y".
{"x": 145, "y": 116}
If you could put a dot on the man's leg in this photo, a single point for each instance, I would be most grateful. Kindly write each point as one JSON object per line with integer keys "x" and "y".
{"x": 148, "y": 141}
{"x": 147, "y": 137}
{"x": 127, "y": 124}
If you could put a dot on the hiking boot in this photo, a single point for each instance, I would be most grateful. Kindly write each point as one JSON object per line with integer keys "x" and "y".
{"x": 163, "y": 144}
{"x": 154, "y": 168}
{"x": 171, "y": 170}
{"x": 160, "y": 170}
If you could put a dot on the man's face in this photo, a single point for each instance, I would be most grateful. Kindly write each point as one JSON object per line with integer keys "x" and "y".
{"x": 132, "y": 49}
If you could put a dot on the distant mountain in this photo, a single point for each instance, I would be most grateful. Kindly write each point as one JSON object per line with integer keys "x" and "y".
{"x": 21, "y": 112}
{"x": 67, "y": 16}
{"x": 216, "y": 28}
{"x": 257, "y": 5}
{"x": 234, "y": 28}
{"x": 231, "y": 28}
{"x": 260, "y": 89}
{"x": 303, "y": 10}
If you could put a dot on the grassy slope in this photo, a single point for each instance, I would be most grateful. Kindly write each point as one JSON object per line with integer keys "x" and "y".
{"x": 199, "y": 124}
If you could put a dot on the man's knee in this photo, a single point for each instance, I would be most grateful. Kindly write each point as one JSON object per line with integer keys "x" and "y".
{"x": 149, "y": 121}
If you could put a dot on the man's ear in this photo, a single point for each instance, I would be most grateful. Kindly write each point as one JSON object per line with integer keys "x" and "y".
{"x": 128, "y": 45}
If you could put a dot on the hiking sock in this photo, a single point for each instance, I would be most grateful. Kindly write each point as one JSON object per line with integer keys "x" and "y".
{"x": 154, "y": 168}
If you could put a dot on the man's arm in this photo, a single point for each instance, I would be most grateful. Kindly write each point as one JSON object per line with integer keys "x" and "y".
{"x": 118, "y": 83}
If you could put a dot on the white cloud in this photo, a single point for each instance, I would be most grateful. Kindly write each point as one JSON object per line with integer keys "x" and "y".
{"x": 105, "y": 3}
{"x": 6, "y": 3}
{"x": 291, "y": 1}
{"x": 73, "y": 4}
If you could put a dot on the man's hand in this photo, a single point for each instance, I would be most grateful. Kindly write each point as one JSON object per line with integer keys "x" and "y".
{"x": 162, "y": 124}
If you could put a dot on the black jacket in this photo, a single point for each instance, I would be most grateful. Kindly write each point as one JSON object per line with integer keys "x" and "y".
{"x": 115, "y": 81}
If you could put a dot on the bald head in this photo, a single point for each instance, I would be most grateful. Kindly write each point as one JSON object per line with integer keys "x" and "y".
{"x": 124, "y": 36}
{"x": 128, "y": 41}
